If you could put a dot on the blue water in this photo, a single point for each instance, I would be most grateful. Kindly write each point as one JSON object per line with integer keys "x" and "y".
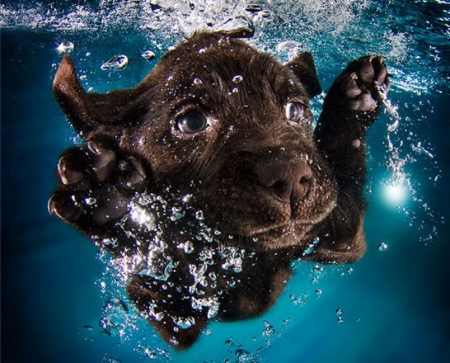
{"x": 392, "y": 306}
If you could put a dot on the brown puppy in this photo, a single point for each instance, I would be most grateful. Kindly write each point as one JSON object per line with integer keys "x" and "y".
{"x": 207, "y": 179}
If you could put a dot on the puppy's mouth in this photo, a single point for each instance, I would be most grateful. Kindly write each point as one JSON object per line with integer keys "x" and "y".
{"x": 271, "y": 219}
{"x": 286, "y": 234}
{"x": 278, "y": 234}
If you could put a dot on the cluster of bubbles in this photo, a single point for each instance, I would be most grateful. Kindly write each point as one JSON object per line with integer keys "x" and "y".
{"x": 404, "y": 150}
{"x": 157, "y": 354}
{"x": 253, "y": 349}
{"x": 153, "y": 259}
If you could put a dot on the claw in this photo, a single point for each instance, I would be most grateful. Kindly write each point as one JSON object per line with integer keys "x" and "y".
{"x": 93, "y": 147}
{"x": 68, "y": 211}
{"x": 51, "y": 206}
{"x": 103, "y": 160}
{"x": 353, "y": 88}
{"x": 68, "y": 176}
{"x": 367, "y": 74}
{"x": 380, "y": 70}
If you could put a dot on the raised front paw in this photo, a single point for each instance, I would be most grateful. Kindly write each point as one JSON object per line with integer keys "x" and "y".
{"x": 365, "y": 83}
{"x": 96, "y": 184}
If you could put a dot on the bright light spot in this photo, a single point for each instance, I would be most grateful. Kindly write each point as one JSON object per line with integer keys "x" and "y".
{"x": 65, "y": 47}
{"x": 395, "y": 194}
{"x": 142, "y": 216}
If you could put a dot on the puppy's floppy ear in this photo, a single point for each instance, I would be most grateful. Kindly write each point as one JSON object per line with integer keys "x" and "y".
{"x": 86, "y": 111}
{"x": 305, "y": 70}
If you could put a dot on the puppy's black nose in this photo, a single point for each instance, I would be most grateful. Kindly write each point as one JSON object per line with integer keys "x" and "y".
{"x": 287, "y": 180}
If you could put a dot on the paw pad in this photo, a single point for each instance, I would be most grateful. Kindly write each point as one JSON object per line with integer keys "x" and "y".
{"x": 95, "y": 185}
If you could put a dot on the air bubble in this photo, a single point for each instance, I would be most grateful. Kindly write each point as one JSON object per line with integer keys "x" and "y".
{"x": 156, "y": 315}
{"x": 188, "y": 247}
{"x": 110, "y": 242}
{"x": 184, "y": 323}
{"x": 199, "y": 215}
{"x": 382, "y": 247}
{"x": 177, "y": 214}
{"x": 212, "y": 276}
{"x": 197, "y": 81}
{"x": 211, "y": 303}
{"x": 237, "y": 79}
{"x": 239, "y": 26}
{"x": 115, "y": 63}
{"x": 244, "y": 356}
{"x": 309, "y": 249}
{"x": 253, "y": 8}
{"x": 269, "y": 330}
{"x": 65, "y": 47}
{"x": 339, "y": 314}
{"x": 233, "y": 259}
{"x": 148, "y": 55}
{"x": 158, "y": 265}
{"x": 206, "y": 255}
{"x": 114, "y": 316}
{"x": 289, "y": 47}
{"x": 300, "y": 300}
{"x": 90, "y": 201}
{"x": 318, "y": 268}
{"x": 149, "y": 353}
{"x": 109, "y": 360}
{"x": 229, "y": 342}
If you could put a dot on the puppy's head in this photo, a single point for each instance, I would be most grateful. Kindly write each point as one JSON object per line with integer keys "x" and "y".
{"x": 227, "y": 124}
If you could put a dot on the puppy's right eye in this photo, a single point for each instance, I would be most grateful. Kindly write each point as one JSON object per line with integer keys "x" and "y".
{"x": 192, "y": 122}
{"x": 294, "y": 111}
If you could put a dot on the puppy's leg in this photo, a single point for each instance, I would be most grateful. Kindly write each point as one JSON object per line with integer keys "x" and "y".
{"x": 96, "y": 184}
{"x": 168, "y": 307}
{"x": 350, "y": 107}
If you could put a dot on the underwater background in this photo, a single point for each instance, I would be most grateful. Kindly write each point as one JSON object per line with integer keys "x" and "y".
{"x": 60, "y": 300}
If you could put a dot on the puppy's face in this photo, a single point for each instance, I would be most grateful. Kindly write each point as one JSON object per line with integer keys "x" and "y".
{"x": 232, "y": 127}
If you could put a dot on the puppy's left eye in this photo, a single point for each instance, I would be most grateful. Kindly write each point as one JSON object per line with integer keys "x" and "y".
{"x": 192, "y": 122}
{"x": 294, "y": 111}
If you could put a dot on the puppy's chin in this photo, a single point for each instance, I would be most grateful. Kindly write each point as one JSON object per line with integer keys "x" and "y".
{"x": 270, "y": 225}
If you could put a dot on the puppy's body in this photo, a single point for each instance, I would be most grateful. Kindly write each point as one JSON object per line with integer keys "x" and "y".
{"x": 227, "y": 130}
